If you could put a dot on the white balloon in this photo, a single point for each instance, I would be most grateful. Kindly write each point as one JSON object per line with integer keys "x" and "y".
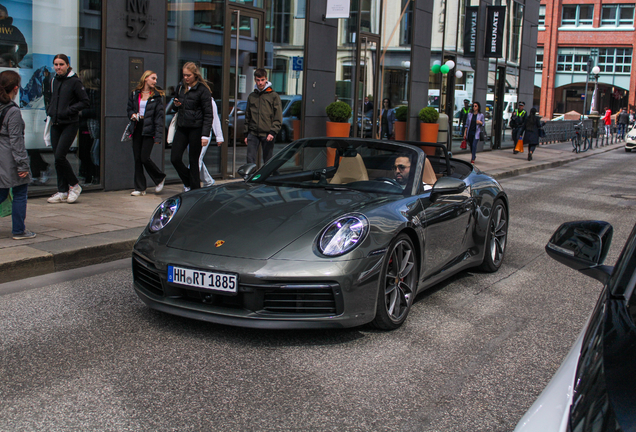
{"x": 437, "y": 62}
{"x": 459, "y": 74}
{"x": 450, "y": 64}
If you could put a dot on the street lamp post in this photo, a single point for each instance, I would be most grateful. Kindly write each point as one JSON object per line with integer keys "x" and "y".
{"x": 594, "y": 105}
{"x": 590, "y": 62}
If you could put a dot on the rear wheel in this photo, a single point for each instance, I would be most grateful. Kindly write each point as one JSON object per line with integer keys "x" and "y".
{"x": 398, "y": 284}
{"x": 496, "y": 238}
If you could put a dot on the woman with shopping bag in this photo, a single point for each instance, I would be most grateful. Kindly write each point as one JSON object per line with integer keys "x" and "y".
{"x": 145, "y": 107}
{"x": 473, "y": 129}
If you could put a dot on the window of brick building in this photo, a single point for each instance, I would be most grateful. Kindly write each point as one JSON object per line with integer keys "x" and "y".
{"x": 617, "y": 15}
{"x": 542, "y": 16}
{"x": 615, "y": 60}
{"x": 538, "y": 64}
{"x": 577, "y": 15}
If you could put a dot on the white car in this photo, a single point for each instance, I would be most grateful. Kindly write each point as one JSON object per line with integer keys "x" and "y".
{"x": 595, "y": 387}
{"x": 630, "y": 139}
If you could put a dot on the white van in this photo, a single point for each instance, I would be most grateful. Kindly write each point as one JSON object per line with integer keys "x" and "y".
{"x": 510, "y": 102}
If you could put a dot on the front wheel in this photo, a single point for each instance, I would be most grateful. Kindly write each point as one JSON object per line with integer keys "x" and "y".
{"x": 496, "y": 238}
{"x": 398, "y": 284}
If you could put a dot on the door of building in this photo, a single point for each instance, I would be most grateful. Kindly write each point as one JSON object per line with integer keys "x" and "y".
{"x": 245, "y": 28}
{"x": 365, "y": 122}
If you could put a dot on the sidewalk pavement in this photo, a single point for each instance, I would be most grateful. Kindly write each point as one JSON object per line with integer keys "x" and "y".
{"x": 103, "y": 226}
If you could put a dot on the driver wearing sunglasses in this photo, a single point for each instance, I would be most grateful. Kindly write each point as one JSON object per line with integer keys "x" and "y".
{"x": 402, "y": 169}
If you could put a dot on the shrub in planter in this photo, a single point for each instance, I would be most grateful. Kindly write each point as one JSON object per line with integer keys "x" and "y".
{"x": 401, "y": 113}
{"x": 295, "y": 109}
{"x": 338, "y": 112}
{"x": 428, "y": 115}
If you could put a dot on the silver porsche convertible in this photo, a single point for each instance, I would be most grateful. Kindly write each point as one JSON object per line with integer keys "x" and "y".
{"x": 331, "y": 232}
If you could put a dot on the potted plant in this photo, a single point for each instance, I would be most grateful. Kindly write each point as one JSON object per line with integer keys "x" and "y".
{"x": 399, "y": 127}
{"x": 295, "y": 112}
{"x": 429, "y": 127}
{"x": 339, "y": 113}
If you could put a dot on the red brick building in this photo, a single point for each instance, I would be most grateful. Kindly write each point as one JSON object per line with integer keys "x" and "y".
{"x": 573, "y": 32}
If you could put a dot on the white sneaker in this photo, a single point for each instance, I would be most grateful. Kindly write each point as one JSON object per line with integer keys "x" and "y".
{"x": 159, "y": 187}
{"x": 138, "y": 193}
{"x": 74, "y": 193}
{"x": 186, "y": 189}
{"x": 59, "y": 197}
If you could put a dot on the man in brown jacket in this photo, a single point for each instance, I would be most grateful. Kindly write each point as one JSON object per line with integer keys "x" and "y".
{"x": 263, "y": 118}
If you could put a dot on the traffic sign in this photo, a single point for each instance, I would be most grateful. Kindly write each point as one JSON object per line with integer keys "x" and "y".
{"x": 297, "y": 63}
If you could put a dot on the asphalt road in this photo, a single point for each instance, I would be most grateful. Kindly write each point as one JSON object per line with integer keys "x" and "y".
{"x": 80, "y": 352}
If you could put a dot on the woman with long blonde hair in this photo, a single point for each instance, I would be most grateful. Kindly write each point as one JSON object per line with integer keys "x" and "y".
{"x": 193, "y": 102}
{"x": 145, "y": 107}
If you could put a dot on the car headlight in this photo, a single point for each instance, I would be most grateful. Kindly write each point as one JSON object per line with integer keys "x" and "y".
{"x": 343, "y": 234}
{"x": 164, "y": 214}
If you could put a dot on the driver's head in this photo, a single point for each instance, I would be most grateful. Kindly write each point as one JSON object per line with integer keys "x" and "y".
{"x": 402, "y": 168}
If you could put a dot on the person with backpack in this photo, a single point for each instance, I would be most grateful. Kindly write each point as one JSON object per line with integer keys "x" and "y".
{"x": 517, "y": 120}
{"x": 14, "y": 160}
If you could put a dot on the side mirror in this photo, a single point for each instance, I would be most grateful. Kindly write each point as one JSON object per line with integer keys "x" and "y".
{"x": 246, "y": 170}
{"x": 583, "y": 246}
{"x": 447, "y": 186}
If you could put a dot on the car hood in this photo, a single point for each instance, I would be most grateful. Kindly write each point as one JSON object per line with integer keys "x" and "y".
{"x": 257, "y": 221}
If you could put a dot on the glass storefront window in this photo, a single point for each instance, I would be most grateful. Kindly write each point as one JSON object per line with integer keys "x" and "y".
{"x": 285, "y": 44}
{"x": 195, "y": 34}
{"x": 33, "y": 32}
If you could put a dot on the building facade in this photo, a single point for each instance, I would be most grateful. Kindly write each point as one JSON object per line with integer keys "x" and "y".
{"x": 574, "y": 37}
{"x": 315, "y": 51}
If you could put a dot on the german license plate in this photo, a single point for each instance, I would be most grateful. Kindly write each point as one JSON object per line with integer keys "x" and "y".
{"x": 223, "y": 282}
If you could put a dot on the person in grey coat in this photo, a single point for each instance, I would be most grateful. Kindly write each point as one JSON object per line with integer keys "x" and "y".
{"x": 14, "y": 160}
{"x": 530, "y": 132}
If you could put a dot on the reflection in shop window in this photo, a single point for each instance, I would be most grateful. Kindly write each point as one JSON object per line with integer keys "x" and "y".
{"x": 405, "y": 24}
{"x": 279, "y": 21}
{"x": 515, "y": 36}
{"x": 206, "y": 15}
{"x": 279, "y": 75}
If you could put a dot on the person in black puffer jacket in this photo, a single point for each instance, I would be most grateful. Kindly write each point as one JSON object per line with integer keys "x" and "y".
{"x": 193, "y": 103}
{"x": 145, "y": 106}
{"x": 68, "y": 98}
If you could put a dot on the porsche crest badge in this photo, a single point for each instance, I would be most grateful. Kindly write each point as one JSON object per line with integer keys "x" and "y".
{"x": 219, "y": 243}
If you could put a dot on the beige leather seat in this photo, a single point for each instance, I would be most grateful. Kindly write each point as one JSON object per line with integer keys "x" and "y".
{"x": 350, "y": 169}
{"x": 428, "y": 176}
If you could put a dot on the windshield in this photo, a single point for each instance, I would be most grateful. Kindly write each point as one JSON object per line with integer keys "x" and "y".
{"x": 341, "y": 163}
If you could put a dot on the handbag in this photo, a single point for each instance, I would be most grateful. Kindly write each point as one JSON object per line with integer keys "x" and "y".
{"x": 463, "y": 145}
{"x": 541, "y": 132}
{"x": 172, "y": 129}
{"x": 483, "y": 136}
{"x": 128, "y": 132}
{"x": 519, "y": 146}
{"x": 47, "y": 132}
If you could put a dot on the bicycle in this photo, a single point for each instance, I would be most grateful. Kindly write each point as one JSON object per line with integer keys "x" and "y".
{"x": 580, "y": 144}
{"x": 576, "y": 139}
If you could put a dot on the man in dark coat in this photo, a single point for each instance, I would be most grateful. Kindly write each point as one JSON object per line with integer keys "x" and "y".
{"x": 13, "y": 45}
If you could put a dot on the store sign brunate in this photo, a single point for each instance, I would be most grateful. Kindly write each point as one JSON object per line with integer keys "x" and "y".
{"x": 219, "y": 243}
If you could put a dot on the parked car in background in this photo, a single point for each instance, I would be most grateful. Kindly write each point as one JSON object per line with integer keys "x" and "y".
{"x": 595, "y": 387}
{"x": 630, "y": 139}
{"x": 287, "y": 129}
{"x": 169, "y": 114}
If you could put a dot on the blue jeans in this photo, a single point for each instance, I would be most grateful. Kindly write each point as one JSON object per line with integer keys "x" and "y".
{"x": 18, "y": 209}
{"x": 621, "y": 130}
{"x": 473, "y": 148}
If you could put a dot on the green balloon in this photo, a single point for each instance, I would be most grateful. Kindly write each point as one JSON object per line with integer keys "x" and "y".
{"x": 444, "y": 69}
{"x": 435, "y": 69}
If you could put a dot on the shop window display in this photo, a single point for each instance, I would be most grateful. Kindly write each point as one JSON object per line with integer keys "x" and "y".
{"x": 30, "y": 37}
